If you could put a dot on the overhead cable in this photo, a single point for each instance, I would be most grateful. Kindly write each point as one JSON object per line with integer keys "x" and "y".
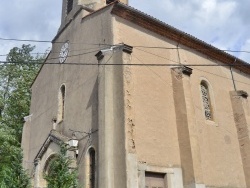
{"x": 48, "y": 41}
{"x": 127, "y": 64}
{"x": 154, "y": 47}
{"x": 200, "y": 49}
{"x": 37, "y": 60}
{"x": 55, "y": 52}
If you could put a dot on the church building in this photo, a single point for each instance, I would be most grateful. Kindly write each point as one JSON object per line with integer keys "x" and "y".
{"x": 139, "y": 103}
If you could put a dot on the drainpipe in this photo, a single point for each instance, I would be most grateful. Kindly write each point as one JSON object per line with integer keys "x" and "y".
{"x": 178, "y": 53}
{"x": 231, "y": 70}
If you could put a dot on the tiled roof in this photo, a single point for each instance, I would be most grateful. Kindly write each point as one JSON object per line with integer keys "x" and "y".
{"x": 148, "y": 22}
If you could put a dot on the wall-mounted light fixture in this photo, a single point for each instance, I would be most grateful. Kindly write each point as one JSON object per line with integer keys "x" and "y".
{"x": 73, "y": 144}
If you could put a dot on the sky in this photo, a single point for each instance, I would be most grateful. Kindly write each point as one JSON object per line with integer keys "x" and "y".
{"x": 223, "y": 23}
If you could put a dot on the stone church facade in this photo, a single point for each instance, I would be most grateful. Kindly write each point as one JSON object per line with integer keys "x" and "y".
{"x": 136, "y": 116}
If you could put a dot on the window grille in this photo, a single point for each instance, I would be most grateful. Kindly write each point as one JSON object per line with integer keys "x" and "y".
{"x": 206, "y": 101}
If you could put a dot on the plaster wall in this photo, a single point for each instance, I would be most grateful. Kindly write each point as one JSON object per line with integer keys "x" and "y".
{"x": 112, "y": 169}
{"x": 26, "y": 142}
{"x": 155, "y": 133}
{"x": 151, "y": 97}
{"x": 81, "y": 81}
{"x": 220, "y": 153}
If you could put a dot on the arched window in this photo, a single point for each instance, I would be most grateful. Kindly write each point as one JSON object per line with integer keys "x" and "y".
{"x": 69, "y": 6}
{"x": 91, "y": 168}
{"x": 61, "y": 103}
{"x": 206, "y": 101}
{"x": 48, "y": 163}
{"x": 47, "y": 169}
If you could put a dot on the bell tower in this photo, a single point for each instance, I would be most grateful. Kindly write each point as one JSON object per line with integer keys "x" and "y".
{"x": 70, "y": 7}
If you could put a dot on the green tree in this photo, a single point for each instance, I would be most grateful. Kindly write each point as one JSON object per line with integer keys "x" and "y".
{"x": 59, "y": 174}
{"x": 12, "y": 174}
{"x": 16, "y": 77}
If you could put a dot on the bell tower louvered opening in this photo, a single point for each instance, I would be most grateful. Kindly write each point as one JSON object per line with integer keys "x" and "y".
{"x": 109, "y": 1}
{"x": 69, "y": 6}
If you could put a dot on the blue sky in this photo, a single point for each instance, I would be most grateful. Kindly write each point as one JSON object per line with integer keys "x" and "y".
{"x": 222, "y": 23}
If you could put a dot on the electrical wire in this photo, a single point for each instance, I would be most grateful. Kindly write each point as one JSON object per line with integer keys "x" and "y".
{"x": 141, "y": 64}
{"x": 127, "y": 64}
{"x": 144, "y": 64}
{"x": 200, "y": 49}
{"x": 152, "y": 47}
{"x": 198, "y": 68}
{"x": 157, "y": 55}
{"x": 152, "y": 71}
{"x": 27, "y": 40}
{"x": 55, "y": 52}
{"x": 37, "y": 61}
{"x": 47, "y": 41}
{"x": 94, "y": 51}
{"x": 195, "y": 68}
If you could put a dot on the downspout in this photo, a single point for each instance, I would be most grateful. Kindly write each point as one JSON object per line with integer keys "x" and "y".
{"x": 231, "y": 70}
{"x": 178, "y": 53}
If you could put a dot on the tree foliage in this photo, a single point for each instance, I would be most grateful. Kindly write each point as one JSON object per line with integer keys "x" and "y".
{"x": 12, "y": 174}
{"x": 16, "y": 78}
{"x": 59, "y": 174}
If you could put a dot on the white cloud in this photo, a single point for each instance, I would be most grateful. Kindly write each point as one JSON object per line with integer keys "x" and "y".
{"x": 28, "y": 19}
{"x": 222, "y": 23}
{"x": 215, "y": 13}
{"x": 245, "y": 47}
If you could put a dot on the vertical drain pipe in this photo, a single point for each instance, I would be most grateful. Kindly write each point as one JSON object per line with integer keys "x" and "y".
{"x": 179, "y": 59}
{"x": 231, "y": 70}
{"x": 178, "y": 53}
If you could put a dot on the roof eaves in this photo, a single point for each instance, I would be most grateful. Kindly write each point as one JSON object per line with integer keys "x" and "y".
{"x": 148, "y": 22}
